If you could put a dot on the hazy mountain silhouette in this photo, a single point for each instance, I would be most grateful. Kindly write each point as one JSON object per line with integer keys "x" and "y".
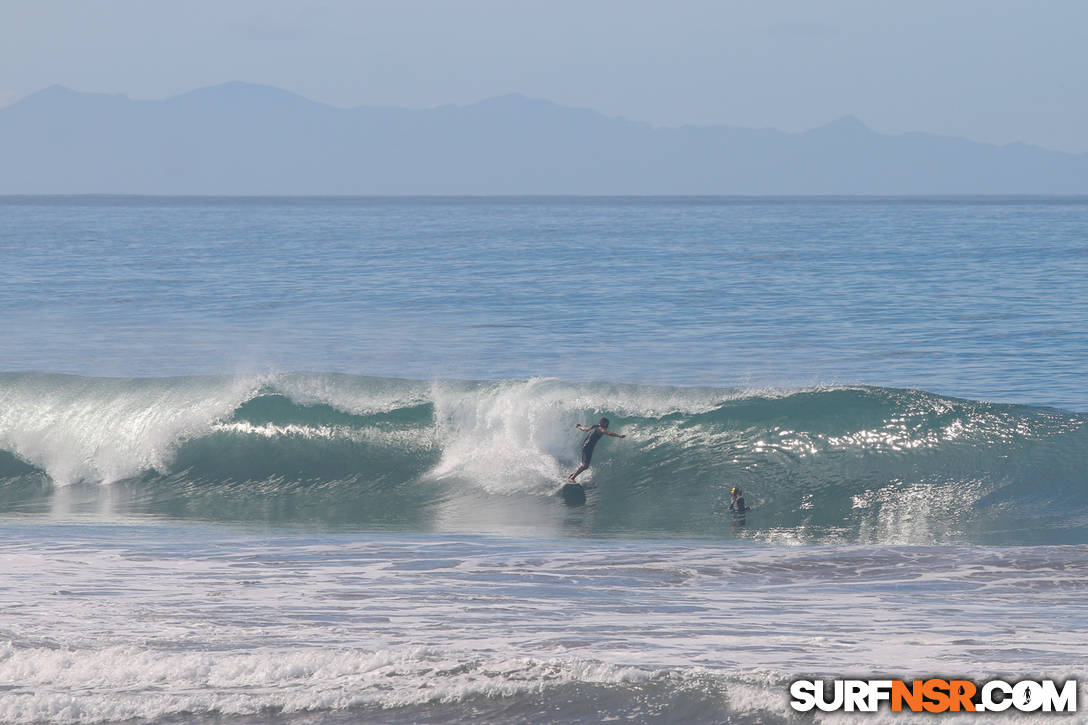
{"x": 240, "y": 138}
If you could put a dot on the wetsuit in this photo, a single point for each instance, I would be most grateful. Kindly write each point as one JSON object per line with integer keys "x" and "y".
{"x": 591, "y": 439}
{"x": 738, "y": 506}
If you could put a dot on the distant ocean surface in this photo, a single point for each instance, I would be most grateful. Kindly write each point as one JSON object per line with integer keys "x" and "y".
{"x": 296, "y": 460}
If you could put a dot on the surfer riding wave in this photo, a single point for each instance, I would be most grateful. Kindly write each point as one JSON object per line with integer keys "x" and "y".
{"x": 594, "y": 434}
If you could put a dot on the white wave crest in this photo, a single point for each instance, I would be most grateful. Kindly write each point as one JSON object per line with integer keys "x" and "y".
{"x": 105, "y": 429}
{"x": 122, "y": 683}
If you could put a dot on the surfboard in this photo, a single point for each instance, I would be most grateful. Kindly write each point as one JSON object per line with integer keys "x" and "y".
{"x": 572, "y": 493}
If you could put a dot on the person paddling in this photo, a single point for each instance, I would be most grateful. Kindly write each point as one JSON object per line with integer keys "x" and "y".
{"x": 594, "y": 433}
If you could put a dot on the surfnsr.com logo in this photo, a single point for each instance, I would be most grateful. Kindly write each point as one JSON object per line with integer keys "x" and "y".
{"x": 934, "y": 695}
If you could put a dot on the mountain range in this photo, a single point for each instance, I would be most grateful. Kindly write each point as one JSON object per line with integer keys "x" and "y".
{"x": 240, "y": 138}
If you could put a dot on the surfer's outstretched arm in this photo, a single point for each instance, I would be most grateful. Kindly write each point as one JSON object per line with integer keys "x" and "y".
{"x": 614, "y": 435}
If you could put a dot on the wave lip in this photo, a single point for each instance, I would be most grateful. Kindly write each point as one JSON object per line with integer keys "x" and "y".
{"x": 857, "y": 464}
{"x": 104, "y": 430}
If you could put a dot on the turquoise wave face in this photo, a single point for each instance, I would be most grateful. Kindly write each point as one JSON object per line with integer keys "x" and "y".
{"x": 845, "y": 464}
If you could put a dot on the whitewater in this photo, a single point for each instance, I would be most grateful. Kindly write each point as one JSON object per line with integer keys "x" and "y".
{"x": 825, "y": 465}
{"x": 298, "y": 460}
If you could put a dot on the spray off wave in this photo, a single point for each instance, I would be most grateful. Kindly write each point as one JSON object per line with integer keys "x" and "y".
{"x": 842, "y": 464}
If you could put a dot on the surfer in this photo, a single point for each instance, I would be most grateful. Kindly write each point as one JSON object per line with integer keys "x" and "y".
{"x": 736, "y": 504}
{"x": 594, "y": 433}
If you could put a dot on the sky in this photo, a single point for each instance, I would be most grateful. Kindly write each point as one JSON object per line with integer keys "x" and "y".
{"x": 998, "y": 71}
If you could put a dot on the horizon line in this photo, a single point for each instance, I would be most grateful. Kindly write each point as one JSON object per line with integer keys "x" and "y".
{"x": 664, "y": 197}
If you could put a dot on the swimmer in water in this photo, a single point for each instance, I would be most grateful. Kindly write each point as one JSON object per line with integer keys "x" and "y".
{"x": 736, "y": 504}
{"x": 594, "y": 434}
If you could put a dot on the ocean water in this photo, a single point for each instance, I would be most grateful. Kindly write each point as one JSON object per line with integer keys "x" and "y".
{"x": 298, "y": 460}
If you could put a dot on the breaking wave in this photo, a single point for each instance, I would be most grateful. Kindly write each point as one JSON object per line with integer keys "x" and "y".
{"x": 849, "y": 464}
